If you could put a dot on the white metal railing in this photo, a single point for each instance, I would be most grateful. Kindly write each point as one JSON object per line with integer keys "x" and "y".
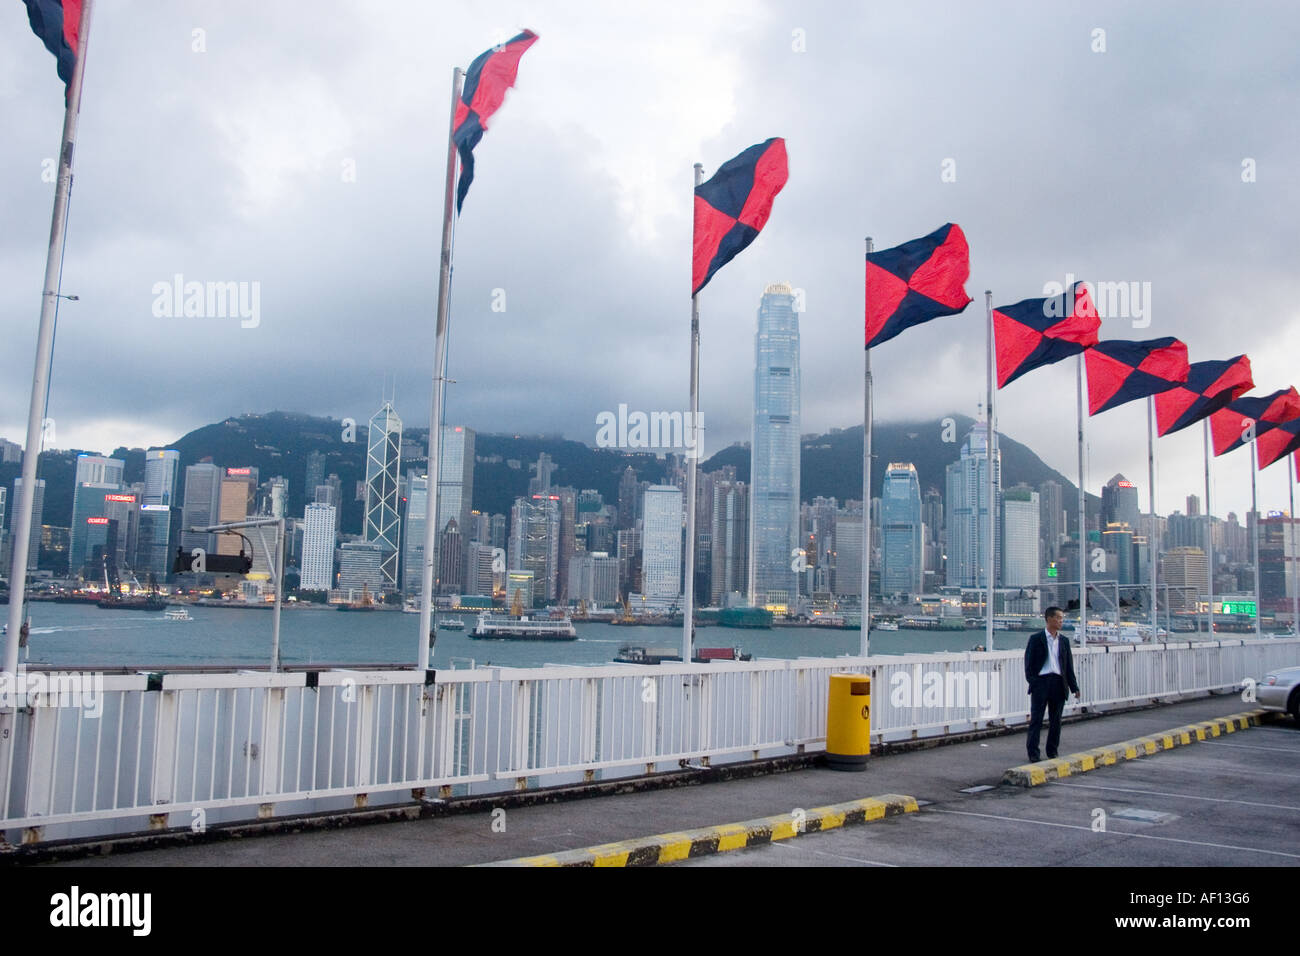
{"x": 198, "y": 748}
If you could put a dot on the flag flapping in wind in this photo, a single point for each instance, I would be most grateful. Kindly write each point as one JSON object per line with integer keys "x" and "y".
{"x": 1278, "y": 442}
{"x": 1209, "y": 387}
{"x": 484, "y": 90}
{"x": 1038, "y": 332}
{"x": 1229, "y": 425}
{"x": 56, "y": 22}
{"x": 1120, "y": 372}
{"x": 732, "y": 207}
{"x": 916, "y": 282}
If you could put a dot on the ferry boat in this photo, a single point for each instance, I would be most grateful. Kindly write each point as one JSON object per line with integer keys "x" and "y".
{"x": 178, "y": 614}
{"x": 452, "y": 623}
{"x": 885, "y": 626}
{"x": 523, "y": 627}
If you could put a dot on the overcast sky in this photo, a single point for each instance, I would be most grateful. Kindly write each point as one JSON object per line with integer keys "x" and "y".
{"x": 218, "y": 140}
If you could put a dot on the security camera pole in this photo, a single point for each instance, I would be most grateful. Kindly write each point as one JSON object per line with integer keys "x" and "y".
{"x": 274, "y": 561}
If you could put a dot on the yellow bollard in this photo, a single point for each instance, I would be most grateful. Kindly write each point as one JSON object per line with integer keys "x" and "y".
{"x": 848, "y": 722}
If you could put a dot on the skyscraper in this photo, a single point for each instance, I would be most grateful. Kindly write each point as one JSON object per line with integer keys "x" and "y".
{"x": 417, "y": 508}
{"x": 535, "y": 543}
{"x": 661, "y": 561}
{"x": 383, "y": 471}
{"x": 730, "y": 539}
{"x": 774, "y": 452}
{"x": 1119, "y": 503}
{"x": 160, "y": 468}
{"x": 1051, "y": 520}
{"x": 968, "y": 511}
{"x": 903, "y": 560}
{"x": 238, "y": 501}
{"x": 202, "y": 505}
{"x": 628, "y": 489}
{"x": 318, "y": 548}
{"x": 38, "y": 513}
{"x": 315, "y": 474}
{"x": 1021, "y": 512}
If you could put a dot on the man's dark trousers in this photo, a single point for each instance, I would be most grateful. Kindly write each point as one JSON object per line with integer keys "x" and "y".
{"x": 1046, "y": 692}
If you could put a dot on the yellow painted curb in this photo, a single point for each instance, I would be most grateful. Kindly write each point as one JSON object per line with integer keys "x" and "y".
{"x": 671, "y": 847}
{"x": 1034, "y": 774}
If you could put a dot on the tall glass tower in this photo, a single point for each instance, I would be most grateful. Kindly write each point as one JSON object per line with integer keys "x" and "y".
{"x": 969, "y": 548}
{"x": 903, "y": 564}
{"x": 383, "y": 466}
{"x": 774, "y": 452}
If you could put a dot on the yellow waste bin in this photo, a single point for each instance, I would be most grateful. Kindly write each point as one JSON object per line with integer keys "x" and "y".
{"x": 848, "y": 722}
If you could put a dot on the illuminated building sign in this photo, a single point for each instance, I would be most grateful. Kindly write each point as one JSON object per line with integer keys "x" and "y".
{"x": 234, "y": 472}
{"x": 129, "y": 499}
{"x": 1124, "y": 484}
{"x": 96, "y": 521}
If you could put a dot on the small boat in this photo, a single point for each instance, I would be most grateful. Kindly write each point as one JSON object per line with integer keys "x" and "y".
{"x": 631, "y": 654}
{"x": 704, "y": 655}
{"x": 178, "y": 614}
{"x": 886, "y": 626}
{"x": 452, "y": 624}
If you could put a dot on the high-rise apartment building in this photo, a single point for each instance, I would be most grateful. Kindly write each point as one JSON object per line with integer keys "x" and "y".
{"x": 774, "y": 452}
{"x": 317, "y": 567}
{"x": 38, "y": 513}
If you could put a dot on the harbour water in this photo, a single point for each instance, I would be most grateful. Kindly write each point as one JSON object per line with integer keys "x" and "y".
{"x": 65, "y": 636}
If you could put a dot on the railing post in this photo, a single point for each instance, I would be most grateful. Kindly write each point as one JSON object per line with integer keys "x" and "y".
{"x": 365, "y": 732}
{"x": 42, "y": 734}
{"x": 272, "y": 723}
{"x": 164, "y": 747}
{"x": 588, "y": 720}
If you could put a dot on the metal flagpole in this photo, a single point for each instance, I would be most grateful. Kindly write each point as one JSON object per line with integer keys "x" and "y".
{"x": 1209, "y": 530}
{"x": 990, "y": 444}
{"x": 688, "y": 615}
{"x": 21, "y": 526}
{"x": 867, "y": 425}
{"x": 427, "y": 636}
{"x": 1254, "y": 538}
{"x": 1082, "y": 628}
{"x": 1153, "y": 545}
{"x": 1295, "y": 592}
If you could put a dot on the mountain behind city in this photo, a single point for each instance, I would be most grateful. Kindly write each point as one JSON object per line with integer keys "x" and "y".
{"x": 278, "y": 443}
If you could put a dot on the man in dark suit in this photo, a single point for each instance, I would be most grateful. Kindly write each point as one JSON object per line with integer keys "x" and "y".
{"x": 1049, "y": 669}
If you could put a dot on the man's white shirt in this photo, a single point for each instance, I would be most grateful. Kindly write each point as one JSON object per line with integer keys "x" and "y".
{"x": 1053, "y": 663}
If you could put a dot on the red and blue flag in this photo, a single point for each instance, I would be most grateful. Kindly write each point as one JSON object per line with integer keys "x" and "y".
{"x": 482, "y": 94}
{"x": 1209, "y": 387}
{"x": 916, "y": 282}
{"x": 1228, "y": 426}
{"x": 732, "y": 208}
{"x": 1120, "y": 372}
{"x": 1038, "y": 332}
{"x": 57, "y": 23}
{"x": 1278, "y": 442}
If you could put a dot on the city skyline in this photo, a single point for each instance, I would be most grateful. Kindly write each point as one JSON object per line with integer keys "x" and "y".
{"x": 174, "y": 163}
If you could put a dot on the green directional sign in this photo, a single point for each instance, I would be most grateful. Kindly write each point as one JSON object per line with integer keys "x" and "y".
{"x": 1239, "y": 607}
{"x": 1052, "y": 572}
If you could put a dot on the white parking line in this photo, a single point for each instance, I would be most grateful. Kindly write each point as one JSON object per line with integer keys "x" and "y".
{"x": 1165, "y": 793}
{"x": 1280, "y": 750}
{"x": 835, "y": 856}
{"x": 1135, "y": 836}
